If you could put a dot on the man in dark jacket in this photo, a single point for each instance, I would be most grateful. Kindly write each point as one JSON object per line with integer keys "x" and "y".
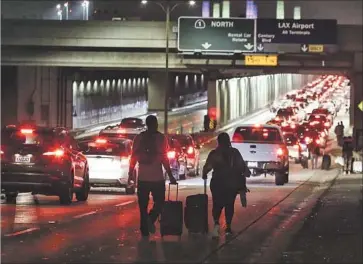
{"x": 228, "y": 178}
{"x": 150, "y": 151}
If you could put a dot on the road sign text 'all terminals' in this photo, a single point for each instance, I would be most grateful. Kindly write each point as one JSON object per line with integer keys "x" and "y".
{"x": 261, "y": 60}
{"x": 216, "y": 34}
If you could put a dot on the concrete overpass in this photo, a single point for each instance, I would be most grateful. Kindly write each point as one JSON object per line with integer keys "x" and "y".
{"x": 140, "y": 45}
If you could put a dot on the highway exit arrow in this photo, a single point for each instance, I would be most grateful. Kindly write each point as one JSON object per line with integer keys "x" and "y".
{"x": 304, "y": 48}
{"x": 360, "y": 106}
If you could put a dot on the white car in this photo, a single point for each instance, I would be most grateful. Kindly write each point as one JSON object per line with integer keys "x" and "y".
{"x": 264, "y": 149}
{"x": 121, "y": 132}
{"x": 109, "y": 161}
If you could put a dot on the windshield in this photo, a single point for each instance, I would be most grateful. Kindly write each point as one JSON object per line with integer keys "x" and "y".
{"x": 257, "y": 135}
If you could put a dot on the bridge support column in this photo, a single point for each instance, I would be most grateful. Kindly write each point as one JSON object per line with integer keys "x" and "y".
{"x": 44, "y": 96}
{"x": 213, "y": 94}
{"x": 156, "y": 91}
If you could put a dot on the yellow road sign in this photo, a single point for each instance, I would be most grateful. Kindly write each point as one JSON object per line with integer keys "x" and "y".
{"x": 360, "y": 106}
{"x": 261, "y": 60}
{"x": 316, "y": 48}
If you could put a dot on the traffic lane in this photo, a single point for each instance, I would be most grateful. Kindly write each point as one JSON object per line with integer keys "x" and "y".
{"x": 114, "y": 236}
{"x": 32, "y": 211}
{"x": 188, "y": 119}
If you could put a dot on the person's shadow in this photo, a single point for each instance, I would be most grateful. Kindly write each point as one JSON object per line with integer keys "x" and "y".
{"x": 146, "y": 251}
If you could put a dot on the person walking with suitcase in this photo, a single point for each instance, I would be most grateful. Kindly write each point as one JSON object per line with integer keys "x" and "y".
{"x": 315, "y": 153}
{"x": 228, "y": 179}
{"x": 150, "y": 152}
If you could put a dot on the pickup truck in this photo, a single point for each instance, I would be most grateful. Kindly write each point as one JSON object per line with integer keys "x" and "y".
{"x": 264, "y": 150}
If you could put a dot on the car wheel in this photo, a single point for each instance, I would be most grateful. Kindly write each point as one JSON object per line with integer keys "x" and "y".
{"x": 66, "y": 195}
{"x": 10, "y": 197}
{"x": 279, "y": 178}
{"x": 82, "y": 194}
{"x": 130, "y": 190}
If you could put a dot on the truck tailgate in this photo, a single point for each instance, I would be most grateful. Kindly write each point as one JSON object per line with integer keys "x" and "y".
{"x": 257, "y": 151}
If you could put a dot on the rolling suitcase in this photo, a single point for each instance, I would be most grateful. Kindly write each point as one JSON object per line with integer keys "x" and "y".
{"x": 171, "y": 217}
{"x": 196, "y": 212}
{"x": 326, "y": 162}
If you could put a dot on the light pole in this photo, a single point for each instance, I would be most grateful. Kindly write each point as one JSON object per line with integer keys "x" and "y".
{"x": 167, "y": 8}
{"x": 59, "y": 13}
{"x": 85, "y": 5}
{"x": 66, "y": 8}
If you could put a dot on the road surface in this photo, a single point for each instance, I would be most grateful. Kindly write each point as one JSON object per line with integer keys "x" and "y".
{"x": 105, "y": 228}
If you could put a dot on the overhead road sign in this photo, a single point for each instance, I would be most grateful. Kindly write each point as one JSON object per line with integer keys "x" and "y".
{"x": 304, "y": 35}
{"x": 261, "y": 60}
{"x": 216, "y": 35}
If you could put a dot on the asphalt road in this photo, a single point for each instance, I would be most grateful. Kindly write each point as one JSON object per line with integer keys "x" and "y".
{"x": 105, "y": 228}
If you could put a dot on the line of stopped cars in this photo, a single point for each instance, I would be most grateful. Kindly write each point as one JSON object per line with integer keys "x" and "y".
{"x": 302, "y": 119}
{"x": 50, "y": 161}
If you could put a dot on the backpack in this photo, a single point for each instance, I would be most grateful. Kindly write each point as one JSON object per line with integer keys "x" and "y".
{"x": 147, "y": 151}
{"x": 235, "y": 179}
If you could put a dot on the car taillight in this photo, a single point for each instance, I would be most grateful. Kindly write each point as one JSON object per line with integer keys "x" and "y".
{"x": 26, "y": 131}
{"x": 190, "y": 150}
{"x": 297, "y": 146}
{"x": 323, "y": 134}
{"x": 1, "y": 151}
{"x": 125, "y": 160}
{"x": 318, "y": 141}
{"x": 307, "y": 140}
{"x": 237, "y": 138}
{"x": 55, "y": 153}
{"x": 101, "y": 141}
{"x": 171, "y": 154}
{"x": 327, "y": 124}
{"x": 122, "y": 131}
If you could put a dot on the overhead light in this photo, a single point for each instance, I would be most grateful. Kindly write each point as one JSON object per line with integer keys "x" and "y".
{"x": 58, "y": 6}
{"x": 144, "y": 2}
{"x": 192, "y": 2}
{"x": 66, "y": 4}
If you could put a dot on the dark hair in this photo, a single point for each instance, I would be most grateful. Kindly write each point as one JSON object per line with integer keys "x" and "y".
{"x": 152, "y": 123}
{"x": 224, "y": 140}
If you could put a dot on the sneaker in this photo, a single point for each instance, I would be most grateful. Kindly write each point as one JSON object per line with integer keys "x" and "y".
{"x": 215, "y": 232}
{"x": 229, "y": 231}
{"x": 151, "y": 227}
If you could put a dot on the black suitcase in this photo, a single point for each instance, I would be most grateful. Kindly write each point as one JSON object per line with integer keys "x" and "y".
{"x": 196, "y": 212}
{"x": 171, "y": 217}
{"x": 326, "y": 162}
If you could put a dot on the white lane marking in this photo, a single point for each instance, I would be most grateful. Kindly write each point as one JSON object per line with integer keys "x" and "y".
{"x": 22, "y": 232}
{"x": 83, "y": 215}
{"x": 125, "y": 203}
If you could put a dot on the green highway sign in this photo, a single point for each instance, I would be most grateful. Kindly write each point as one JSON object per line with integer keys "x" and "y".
{"x": 224, "y": 35}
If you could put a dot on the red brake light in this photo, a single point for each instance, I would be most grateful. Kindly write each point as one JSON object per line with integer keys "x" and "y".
{"x": 318, "y": 141}
{"x": 26, "y": 131}
{"x": 55, "y": 153}
{"x": 171, "y": 155}
{"x": 190, "y": 150}
{"x": 101, "y": 141}
{"x": 307, "y": 140}
{"x": 293, "y": 126}
{"x": 1, "y": 151}
{"x": 237, "y": 138}
{"x": 122, "y": 131}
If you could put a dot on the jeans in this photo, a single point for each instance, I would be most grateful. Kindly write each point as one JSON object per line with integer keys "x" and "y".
{"x": 157, "y": 190}
{"x": 222, "y": 198}
{"x": 314, "y": 161}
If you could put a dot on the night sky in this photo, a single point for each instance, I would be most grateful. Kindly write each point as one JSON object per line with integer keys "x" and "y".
{"x": 347, "y": 11}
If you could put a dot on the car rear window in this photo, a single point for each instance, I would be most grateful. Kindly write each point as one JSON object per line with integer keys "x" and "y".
{"x": 285, "y": 112}
{"x": 131, "y": 123}
{"x": 180, "y": 140}
{"x": 112, "y": 149}
{"x": 28, "y": 137}
{"x": 257, "y": 135}
{"x": 291, "y": 139}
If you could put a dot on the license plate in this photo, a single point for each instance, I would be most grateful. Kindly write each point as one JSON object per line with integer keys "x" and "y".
{"x": 252, "y": 164}
{"x": 22, "y": 159}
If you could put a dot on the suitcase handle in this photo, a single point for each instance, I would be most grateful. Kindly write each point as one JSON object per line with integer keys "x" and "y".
{"x": 177, "y": 191}
{"x": 205, "y": 186}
